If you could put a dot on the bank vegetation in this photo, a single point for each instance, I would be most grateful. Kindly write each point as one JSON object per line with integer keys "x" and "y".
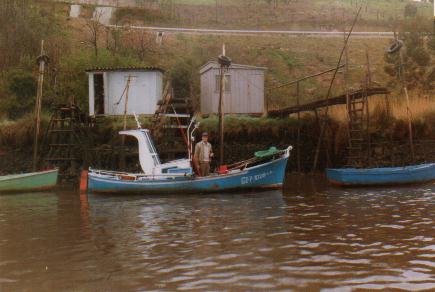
{"x": 74, "y": 45}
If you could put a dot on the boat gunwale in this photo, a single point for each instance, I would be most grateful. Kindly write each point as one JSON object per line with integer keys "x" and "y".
{"x": 406, "y": 175}
{"x": 189, "y": 191}
{"x": 96, "y": 175}
{"x": 12, "y": 177}
{"x": 379, "y": 184}
{"x": 382, "y": 170}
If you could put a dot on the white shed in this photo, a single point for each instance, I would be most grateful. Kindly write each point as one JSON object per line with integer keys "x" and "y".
{"x": 244, "y": 89}
{"x": 107, "y": 90}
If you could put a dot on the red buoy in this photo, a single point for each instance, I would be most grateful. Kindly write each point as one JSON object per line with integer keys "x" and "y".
{"x": 84, "y": 181}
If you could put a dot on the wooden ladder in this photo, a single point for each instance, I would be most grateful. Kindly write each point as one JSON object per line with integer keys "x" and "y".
{"x": 64, "y": 139}
{"x": 357, "y": 112}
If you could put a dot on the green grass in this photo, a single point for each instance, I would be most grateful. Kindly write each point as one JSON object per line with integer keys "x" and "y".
{"x": 196, "y": 2}
{"x": 138, "y": 14}
{"x": 20, "y": 133}
{"x": 315, "y": 14}
{"x": 240, "y": 125}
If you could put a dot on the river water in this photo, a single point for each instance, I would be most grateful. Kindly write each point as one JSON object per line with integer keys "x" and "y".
{"x": 308, "y": 236}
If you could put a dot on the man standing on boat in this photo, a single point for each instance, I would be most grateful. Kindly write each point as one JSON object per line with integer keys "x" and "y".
{"x": 203, "y": 155}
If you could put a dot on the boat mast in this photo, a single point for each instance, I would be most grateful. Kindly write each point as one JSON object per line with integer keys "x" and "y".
{"x": 42, "y": 59}
{"x": 224, "y": 63}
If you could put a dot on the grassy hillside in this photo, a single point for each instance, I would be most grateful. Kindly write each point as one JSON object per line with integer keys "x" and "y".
{"x": 70, "y": 44}
{"x": 296, "y": 14}
{"x": 287, "y": 59}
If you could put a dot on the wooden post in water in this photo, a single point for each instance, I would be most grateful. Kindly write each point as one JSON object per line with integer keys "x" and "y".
{"x": 122, "y": 156}
{"x": 323, "y": 126}
{"x": 41, "y": 60}
{"x": 408, "y": 109}
{"x": 345, "y": 74}
{"x": 299, "y": 129}
{"x": 368, "y": 83}
{"x": 346, "y": 89}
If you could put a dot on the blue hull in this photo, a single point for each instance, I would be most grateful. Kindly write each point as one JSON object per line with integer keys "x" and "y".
{"x": 382, "y": 176}
{"x": 267, "y": 175}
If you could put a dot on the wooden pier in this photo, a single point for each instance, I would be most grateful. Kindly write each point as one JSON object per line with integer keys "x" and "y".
{"x": 341, "y": 99}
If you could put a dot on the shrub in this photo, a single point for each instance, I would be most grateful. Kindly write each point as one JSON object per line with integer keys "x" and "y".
{"x": 20, "y": 94}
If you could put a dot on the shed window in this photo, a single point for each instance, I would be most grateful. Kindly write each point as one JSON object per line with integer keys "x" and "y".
{"x": 227, "y": 81}
{"x": 132, "y": 79}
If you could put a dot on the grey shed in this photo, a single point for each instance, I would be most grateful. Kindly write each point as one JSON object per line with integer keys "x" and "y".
{"x": 244, "y": 89}
{"x": 107, "y": 90}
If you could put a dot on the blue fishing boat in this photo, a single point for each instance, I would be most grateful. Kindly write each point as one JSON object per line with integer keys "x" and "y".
{"x": 265, "y": 170}
{"x": 382, "y": 176}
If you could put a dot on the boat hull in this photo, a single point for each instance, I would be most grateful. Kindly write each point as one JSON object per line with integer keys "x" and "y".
{"x": 35, "y": 181}
{"x": 268, "y": 175}
{"x": 382, "y": 176}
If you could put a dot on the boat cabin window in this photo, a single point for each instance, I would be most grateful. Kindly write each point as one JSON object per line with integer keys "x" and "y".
{"x": 152, "y": 149}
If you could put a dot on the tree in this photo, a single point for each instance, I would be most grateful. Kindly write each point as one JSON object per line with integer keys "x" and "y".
{"x": 21, "y": 88}
{"x": 95, "y": 29}
{"x": 181, "y": 78}
{"x": 417, "y": 61}
{"x": 410, "y": 10}
{"x": 22, "y": 26}
{"x": 144, "y": 43}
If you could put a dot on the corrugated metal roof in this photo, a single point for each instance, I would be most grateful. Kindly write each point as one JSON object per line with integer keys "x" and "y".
{"x": 214, "y": 65}
{"x": 123, "y": 69}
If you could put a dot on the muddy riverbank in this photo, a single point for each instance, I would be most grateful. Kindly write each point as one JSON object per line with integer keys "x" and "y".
{"x": 389, "y": 144}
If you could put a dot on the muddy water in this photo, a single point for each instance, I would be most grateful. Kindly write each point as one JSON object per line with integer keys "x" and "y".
{"x": 307, "y": 236}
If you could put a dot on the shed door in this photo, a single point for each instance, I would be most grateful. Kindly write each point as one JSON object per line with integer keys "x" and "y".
{"x": 255, "y": 93}
{"x": 99, "y": 94}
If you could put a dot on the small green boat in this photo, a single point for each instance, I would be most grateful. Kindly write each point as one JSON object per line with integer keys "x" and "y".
{"x": 34, "y": 181}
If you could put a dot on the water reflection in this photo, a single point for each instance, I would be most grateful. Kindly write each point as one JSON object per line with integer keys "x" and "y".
{"x": 308, "y": 236}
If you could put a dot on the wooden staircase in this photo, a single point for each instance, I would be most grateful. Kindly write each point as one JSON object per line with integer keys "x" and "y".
{"x": 170, "y": 123}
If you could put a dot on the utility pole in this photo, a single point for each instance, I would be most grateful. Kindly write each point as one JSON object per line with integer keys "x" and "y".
{"x": 224, "y": 63}
{"x": 122, "y": 157}
{"x": 42, "y": 59}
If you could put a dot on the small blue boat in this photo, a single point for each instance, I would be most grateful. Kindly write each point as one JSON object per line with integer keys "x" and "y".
{"x": 266, "y": 170}
{"x": 381, "y": 176}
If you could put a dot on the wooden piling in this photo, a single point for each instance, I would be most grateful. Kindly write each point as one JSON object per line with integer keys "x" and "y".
{"x": 408, "y": 108}
{"x": 298, "y": 140}
{"x": 368, "y": 82}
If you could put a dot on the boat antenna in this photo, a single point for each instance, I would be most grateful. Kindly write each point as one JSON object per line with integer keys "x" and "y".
{"x": 139, "y": 126}
{"x": 189, "y": 137}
